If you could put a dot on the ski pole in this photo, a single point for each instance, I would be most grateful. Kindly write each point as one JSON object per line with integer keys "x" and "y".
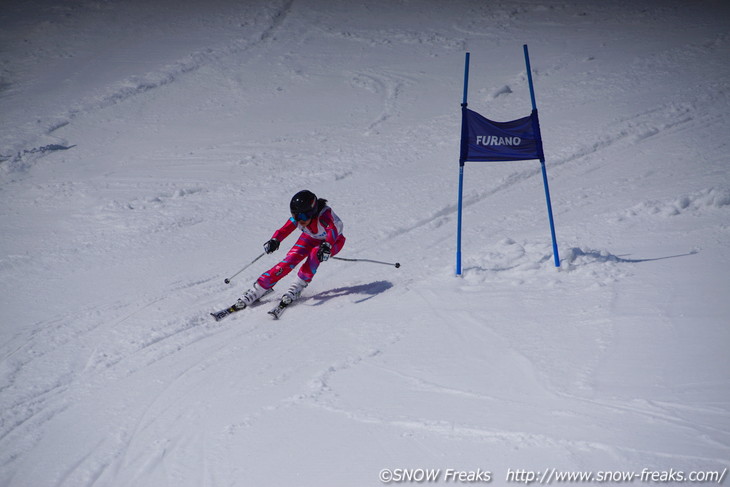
{"x": 228, "y": 280}
{"x": 396, "y": 264}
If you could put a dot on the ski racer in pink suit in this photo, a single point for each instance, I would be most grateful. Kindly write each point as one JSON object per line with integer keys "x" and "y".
{"x": 321, "y": 238}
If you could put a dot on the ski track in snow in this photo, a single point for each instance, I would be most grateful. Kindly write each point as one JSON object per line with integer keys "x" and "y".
{"x": 138, "y": 85}
{"x": 388, "y": 87}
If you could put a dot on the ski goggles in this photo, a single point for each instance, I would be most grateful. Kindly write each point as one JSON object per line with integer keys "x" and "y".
{"x": 304, "y": 216}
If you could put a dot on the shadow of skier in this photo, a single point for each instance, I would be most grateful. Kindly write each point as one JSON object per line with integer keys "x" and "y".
{"x": 369, "y": 291}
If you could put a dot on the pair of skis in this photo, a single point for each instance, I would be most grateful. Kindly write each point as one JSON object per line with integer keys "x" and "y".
{"x": 286, "y": 301}
{"x": 275, "y": 312}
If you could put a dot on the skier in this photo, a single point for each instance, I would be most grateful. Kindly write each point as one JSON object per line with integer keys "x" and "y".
{"x": 321, "y": 238}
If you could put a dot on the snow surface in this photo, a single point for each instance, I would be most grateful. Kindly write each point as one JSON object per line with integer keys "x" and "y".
{"x": 148, "y": 149}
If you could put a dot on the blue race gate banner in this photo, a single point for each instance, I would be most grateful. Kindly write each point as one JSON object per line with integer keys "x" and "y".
{"x": 485, "y": 140}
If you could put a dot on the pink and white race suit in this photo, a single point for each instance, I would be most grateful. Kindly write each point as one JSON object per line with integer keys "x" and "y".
{"x": 325, "y": 227}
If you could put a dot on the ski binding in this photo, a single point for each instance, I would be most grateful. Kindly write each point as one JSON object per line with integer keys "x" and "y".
{"x": 279, "y": 309}
{"x": 219, "y": 315}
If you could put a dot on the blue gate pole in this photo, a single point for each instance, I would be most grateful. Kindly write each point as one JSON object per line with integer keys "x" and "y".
{"x": 458, "y": 225}
{"x": 461, "y": 170}
{"x": 556, "y": 256}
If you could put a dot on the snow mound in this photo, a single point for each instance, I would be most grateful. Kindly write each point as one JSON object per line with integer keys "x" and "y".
{"x": 528, "y": 262}
{"x": 693, "y": 203}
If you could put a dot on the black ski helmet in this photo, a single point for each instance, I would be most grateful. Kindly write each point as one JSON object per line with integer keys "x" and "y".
{"x": 303, "y": 205}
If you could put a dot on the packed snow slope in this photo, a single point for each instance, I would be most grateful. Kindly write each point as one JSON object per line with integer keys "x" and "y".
{"x": 149, "y": 149}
